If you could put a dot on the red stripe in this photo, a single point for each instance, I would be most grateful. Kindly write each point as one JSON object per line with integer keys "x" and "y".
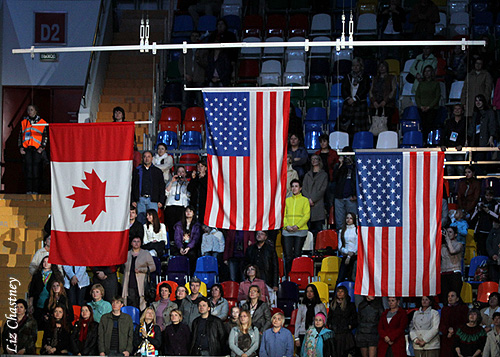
{"x": 108, "y": 248}
{"x": 246, "y": 193}
{"x": 413, "y": 218}
{"x": 285, "y": 118}
{"x": 89, "y": 142}
{"x": 398, "y": 291}
{"x": 260, "y": 159}
{"x": 360, "y": 265}
{"x": 439, "y": 204}
{"x": 371, "y": 260}
{"x": 220, "y": 194}
{"x": 273, "y": 172}
{"x": 233, "y": 192}
{"x": 426, "y": 210}
{"x": 210, "y": 191}
{"x": 384, "y": 280}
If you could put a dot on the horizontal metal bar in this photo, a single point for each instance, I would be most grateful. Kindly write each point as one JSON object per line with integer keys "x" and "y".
{"x": 135, "y": 122}
{"x": 306, "y": 44}
{"x": 241, "y": 89}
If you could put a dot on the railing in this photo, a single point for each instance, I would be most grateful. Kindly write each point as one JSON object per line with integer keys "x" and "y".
{"x": 92, "y": 54}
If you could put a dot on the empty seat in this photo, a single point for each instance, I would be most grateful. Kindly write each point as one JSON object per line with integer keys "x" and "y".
{"x": 168, "y": 138}
{"x": 455, "y": 92}
{"x": 311, "y": 139}
{"x": 195, "y": 114}
{"x": 412, "y": 139}
{"x": 321, "y": 25}
{"x": 362, "y": 140}
{"x": 189, "y": 161}
{"x": 295, "y": 53}
{"x": 270, "y": 79}
{"x": 388, "y": 140}
{"x": 192, "y": 139}
{"x": 298, "y": 25}
{"x": 207, "y": 23}
{"x": 207, "y": 270}
{"x": 183, "y": 24}
{"x": 274, "y": 52}
{"x": 367, "y": 24}
{"x": 271, "y": 66}
{"x": 288, "y": 297}
{"x": 276, "y": 25}
{"x": 323, "y": 51}
{"x": 296, "y": 66}
{"x": 250, "y": 51}
{"x": 460, "y": 18}
{"x": 302, "y": 271}
{"x": 316, "y": 114}
{"x": 338, "y": 140}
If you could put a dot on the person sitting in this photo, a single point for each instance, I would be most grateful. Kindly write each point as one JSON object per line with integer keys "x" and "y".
{"x": 180, "y": 294}
{"x": 251, "y": 278}
{"x": 98, "y": 304}
{"x": 57, "y": 297}
{"x": 311, "y": 305}
{"x": 488, "y": 313}
{"x": 319, "y": 340}
{"x": 260, "y": 311}
{"x": 25, "y": 329}
{"x": 212, "y": 242}
{"x": 56, "y": 338}
{"x": 208, "y": 335}
{"x": 176, "y": 337}
{"x": 277, "y": 341}
{"x": 147, "y": 335}
{"x": 164, "y": 306}
{"x": 136, "y": 267}
{"x": 85, "y": 333}
{"x": 233, "y": 319}
{"x": 189, "y": 306}
{"x": 218, "y": 305}
{"x": 244, "y": 338}
{"x": 155, "y": 234}
{"x": 163, "y": 161}
{"x": 116, "y": 331}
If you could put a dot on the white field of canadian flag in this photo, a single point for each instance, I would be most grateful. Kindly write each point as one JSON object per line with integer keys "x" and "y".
{"x": 91, "y": 167}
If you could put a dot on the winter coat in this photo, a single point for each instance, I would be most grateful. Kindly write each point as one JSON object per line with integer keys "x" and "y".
{"x": 425, "y": 326}
{"x": 89, "y": 346}
{"x": 314, "y": 187}
{"x": 395, "y": 330}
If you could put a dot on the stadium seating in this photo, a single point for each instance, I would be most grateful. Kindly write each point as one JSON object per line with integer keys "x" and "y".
{"x": 134, "y": 313}
{"x": 288, "y": 297}
{"x": 388, "y": 140}
{"x": 173, "y": 286}
{"x": 323, "y": 291}
{"x": 466, "y": 293}
{"x": 485, "y": 289}
{"x": 362, "y": 140}
{"x": 326, "y": 238}
{"x": 329, "y": 271}
{"x": 207, "y": 270}
{"x": 178, "y": 269}
{"x": 338, "y": 140}
{"x": 302, "y": 271}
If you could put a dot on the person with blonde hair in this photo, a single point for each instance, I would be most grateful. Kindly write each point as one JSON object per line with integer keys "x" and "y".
{"x": 277, "y": 341}
{"x": 98, "y": 304}
{"x": 176, "y": 336}
{"x": 244, "y": 338}
{"x": 147, "y": 335}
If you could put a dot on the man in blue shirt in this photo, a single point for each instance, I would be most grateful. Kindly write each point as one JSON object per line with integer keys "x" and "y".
{"x": 277, "y": 341}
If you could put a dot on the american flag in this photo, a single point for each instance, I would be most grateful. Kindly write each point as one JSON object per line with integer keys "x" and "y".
{"x": 399, "y": 235}
{"x": 246, "y": 145}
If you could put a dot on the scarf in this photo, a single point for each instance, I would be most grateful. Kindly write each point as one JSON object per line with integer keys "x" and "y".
{"x": 356, "y": 78}
{"x": 146, "y": 348}
{"x": 84, "y": 327}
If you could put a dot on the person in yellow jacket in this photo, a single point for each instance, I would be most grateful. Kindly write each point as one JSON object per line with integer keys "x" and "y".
{"x": 297, "y": 214}
{"x": 32, "y": 141}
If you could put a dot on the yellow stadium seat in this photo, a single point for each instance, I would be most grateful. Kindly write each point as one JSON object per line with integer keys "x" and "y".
{"x": 38, "y": 344}
{"x": 469, "y": 239}
{"x": 330, "y": 264}
{"x": 470, "y": 252}
{"x": 329, "y": 278}
{"x": 203, "y": 288}
{"x": 279, "y": 246}
{"x": 394, "y": 66}
{"x": 324, "y": 294}
{"x": 466, "y": 293}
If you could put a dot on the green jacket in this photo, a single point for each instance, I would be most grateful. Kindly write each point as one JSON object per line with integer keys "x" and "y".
{"x": 297, "y": 212}
{"x": 125, "y": 333}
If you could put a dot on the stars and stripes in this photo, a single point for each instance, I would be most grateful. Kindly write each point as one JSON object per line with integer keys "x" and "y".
{"x": 399, "y": 207}
{"x": 246, "y": 146}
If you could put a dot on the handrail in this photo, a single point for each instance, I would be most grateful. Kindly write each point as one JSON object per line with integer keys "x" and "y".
{"x": 91, "y": 59}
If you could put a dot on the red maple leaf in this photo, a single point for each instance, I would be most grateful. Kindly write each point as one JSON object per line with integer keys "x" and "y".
{"x": 94, "y": 196}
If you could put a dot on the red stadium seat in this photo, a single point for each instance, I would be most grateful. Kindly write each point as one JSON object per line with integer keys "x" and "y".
{"x": 193, "y": 126}
{"x": 327, "y": 238}
{"x": 171, "y": 114}
{"x": 276, "y": 25}
{"x": 302, "y": 271}
{"x": 173, "y": 286}
{"x": 298, "y": 25}
{"x": 194, "y": 114}
{"x": 485, "y": 289}
{"x": 291, "y": 326}
{"x": 189, "y": 161}
{"x": 168, "y": 126}
{"x": 76, "y": 313}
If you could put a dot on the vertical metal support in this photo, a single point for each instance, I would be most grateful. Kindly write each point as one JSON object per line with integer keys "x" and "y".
{"x": 141, "y": 35}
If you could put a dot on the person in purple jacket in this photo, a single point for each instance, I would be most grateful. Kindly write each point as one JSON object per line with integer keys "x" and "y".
{"x": 187, "y": 237}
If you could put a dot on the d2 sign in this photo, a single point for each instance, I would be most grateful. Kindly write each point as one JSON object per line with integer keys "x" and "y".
{"x": 50, "y": 28}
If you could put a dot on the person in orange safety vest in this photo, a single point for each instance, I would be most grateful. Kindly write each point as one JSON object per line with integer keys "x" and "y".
{"x": 32, "y": 142}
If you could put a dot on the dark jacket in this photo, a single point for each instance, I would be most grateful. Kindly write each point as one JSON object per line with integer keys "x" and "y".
{"x": 369, "y": 313}
{"x": 488, "y": 127}
{"x": 26, "y": 336}
{"x": 342, "y": 321}
{"x": 361, "y": 93}
{"x": 223, "y": 66}
{"x": 155, "y": 340}
{"x": 89, "y": 346}
{"x": 451, "y": 126}
{"x": 136, "y": 230}
{"x": 267, "y": 261}
{"x": 216, "y": 335}
{"x": 398, "y": 19}
{"x": 176, "y": 343}
{"x": 229, "y": 247}
{"x": 36, "y": 285}
{"x": 332, "y": 159}
{"x": 492, "y": 243}
{"x": 125, "y": 331}
{"x": 158, "y": 186}
{"x": 62, "y": 344}
{"x": 340, "y": 174}
{"x": 261, "y": 317}
{"x": 314, "y": 187}
{"x": 197, "y": 187}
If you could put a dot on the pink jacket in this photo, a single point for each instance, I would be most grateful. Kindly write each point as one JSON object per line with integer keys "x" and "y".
{"x": 245, "y": 286}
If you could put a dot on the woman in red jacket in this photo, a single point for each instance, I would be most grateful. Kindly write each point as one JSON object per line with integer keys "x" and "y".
{"x": 391, "y": 330}
{"x": 453, "y": 315}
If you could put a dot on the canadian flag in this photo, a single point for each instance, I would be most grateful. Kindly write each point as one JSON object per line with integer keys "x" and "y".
{"x": 91, "y": 176}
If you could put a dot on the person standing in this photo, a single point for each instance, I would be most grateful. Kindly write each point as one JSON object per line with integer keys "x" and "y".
{"x": 297, "y": 214}
{"x": 116, "y": 331}
{"x": 478, "y": 81}
{"x": 208, "y": 333}
{"x": 277, "y": 341}
{"x": 311, "y": 305}
{"x": 148, "y": 187}
{"x": 32, "y": 142}
{"x": 197, "y": 188}
{"x": 263, "y": 255}
{"x": 369, "y": 312}
{"x": 451, "y": 263}
{"x": 492, "y": 346}
{"x": 453, "y": 315}
{"x": 314, "y": 188}
{"x": 391, "y": 330}
{"x": 424, "y": 330}
{"x": 76, "y": 282}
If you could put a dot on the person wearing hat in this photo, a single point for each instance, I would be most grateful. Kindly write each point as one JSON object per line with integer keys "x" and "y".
{"x": 318, "y": 340}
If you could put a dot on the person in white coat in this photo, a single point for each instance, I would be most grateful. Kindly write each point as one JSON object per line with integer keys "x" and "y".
{"x": 492, "y": 346}
{"x": 163, "y": 161}
{"x": 76, "y": 282}
{"x": 424, "y": 330}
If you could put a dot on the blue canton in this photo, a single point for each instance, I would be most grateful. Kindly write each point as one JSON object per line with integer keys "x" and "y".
{"x": 228, "y": 123}
{"x": 380, "y": 189}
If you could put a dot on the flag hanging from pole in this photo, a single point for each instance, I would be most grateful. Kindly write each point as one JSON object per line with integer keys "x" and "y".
{"x": 399, "y": 234}
{"x": 91, "y": 177}
{"x": 246, "y": 146}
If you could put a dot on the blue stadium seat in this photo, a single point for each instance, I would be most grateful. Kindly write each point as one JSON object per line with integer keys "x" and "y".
{"x": 183, "y": 23}
{"x": 134, "y": 313}
{"x": 168, "y": 138}
{"x": 411, "y": 113}
{"x": 331, "y": 124}
{"x": 313, "y": 125}
{"x": 178, "y": 269}
{"x": 288, "y": 297}
{"x": 233, "y": 23}
{"x": 207, "y": 270}
{"x": 311, "y": 140}
{"x": 412, "y": 139}
{"x": 336, "y": 90}
{"x": 407, "y": 126}
{"x": 362, "y": 140}
{"x": 316, "y": 114}
{"x": 192, "y": 139}
{"x": 474, "y": 264}
{"x": 350, "y": 288}
{"x": 336, "y": 105}
{"x": 207, "y": 23}
{"x": 434, "y": 137}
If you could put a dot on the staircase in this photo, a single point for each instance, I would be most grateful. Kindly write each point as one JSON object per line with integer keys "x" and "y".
{"x": 22, "y": 218}
{"x": 130, "y": 75}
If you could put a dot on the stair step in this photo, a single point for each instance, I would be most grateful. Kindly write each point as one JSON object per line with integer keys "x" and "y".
{"x": 128, "y": 83}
